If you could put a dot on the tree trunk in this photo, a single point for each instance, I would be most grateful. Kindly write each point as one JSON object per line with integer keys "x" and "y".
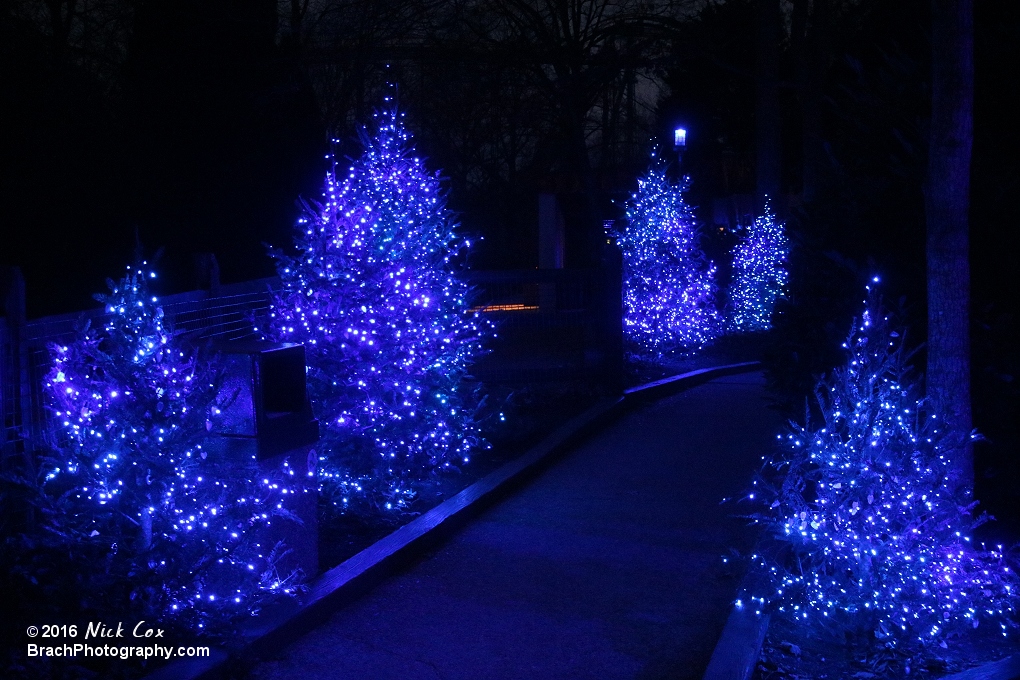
{"x": 61, "y": 20}
{"x": 766, "y": 109}
{"x": 591, "y": 222}
{"x": 947, "y": 200}
{"x": 809, "y": 39}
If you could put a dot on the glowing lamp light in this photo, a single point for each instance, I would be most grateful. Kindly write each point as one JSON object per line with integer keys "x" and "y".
{"x": 679, "y": 138}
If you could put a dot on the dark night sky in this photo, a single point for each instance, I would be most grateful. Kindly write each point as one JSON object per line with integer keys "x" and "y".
{"x": 207, "y": 139}
{"x": 209, "y": 132}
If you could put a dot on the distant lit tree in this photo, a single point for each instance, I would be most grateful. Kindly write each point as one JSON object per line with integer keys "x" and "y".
{"x": 669, "y": 284}
{"x": 389, "y": 334}
{"x": 759, "y": 274}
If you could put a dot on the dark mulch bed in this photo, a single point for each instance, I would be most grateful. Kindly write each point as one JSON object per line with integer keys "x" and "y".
{"x": 793, "y": 652}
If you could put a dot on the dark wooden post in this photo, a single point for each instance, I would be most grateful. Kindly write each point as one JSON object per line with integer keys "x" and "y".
{"x": 550, "y": 246}
{"x": 610, "y": 317}
{"x": 13, "y": 456}
{"x": 810, "y": 44}
{"x": 16, "y": 452}
{"x": 207, "y": 273}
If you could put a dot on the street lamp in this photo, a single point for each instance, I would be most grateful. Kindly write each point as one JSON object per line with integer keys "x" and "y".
{"x": 679, "y": 142}
{"x": 679, "y": 139}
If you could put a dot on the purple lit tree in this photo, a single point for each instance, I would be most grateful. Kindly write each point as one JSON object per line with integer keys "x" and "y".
{"x": 160, "y": 521}
{"x": 871, "y": 531}
{"x": 668, "y": 284}
{"x": 759, "y": 274}
{"x": 387, "y": 326}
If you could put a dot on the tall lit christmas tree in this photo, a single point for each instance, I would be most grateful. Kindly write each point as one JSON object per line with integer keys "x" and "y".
{"x": 162, "y": 523}
{"x": 759, "y": 274}
{"x": 871, "y": 531}
{"x": 387, "y": 327}
{"x": 668, "y": 284}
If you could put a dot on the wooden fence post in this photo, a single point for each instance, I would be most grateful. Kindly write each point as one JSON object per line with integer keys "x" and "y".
{"x": 550, "y": 247}
{"x": 13, "y": 384}
{"x": 610, "y": 316}
{"x": 207, "y": 273}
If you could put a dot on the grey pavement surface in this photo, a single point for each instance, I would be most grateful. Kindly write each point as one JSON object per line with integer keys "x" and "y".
{"x": 606, "y": 565}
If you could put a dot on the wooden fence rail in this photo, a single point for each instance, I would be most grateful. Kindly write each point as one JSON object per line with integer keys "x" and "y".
{"x": 552, "y": 324}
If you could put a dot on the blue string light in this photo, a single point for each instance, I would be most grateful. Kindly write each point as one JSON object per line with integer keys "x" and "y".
{"x": 759, "y": 274}
{"x": 669, "y": 285}
{"x": 388, "y": 333}
{"x": 138, "y": 477}
{"x": 871, "y": 528}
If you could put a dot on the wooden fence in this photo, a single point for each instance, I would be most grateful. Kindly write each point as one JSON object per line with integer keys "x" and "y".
{"x": 552, "y": 324}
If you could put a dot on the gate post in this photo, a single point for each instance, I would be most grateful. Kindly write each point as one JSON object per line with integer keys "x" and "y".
{"x": 14, "y": 454}
{"x": 610, "y": 316}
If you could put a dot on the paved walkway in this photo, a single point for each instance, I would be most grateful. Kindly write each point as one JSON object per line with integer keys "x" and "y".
{"x": 607, "y": 565}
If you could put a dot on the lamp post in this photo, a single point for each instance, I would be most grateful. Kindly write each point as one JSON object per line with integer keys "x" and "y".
{"x": 679, "y": 143}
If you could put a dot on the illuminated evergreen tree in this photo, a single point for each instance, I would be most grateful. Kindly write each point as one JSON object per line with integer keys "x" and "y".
{"x": 388, "y": 332}
{"x": 759, "y": 274}
{"x": 161, "y": 521}
{"x": 870, "y": 534}
{"x": 668, "y": 284}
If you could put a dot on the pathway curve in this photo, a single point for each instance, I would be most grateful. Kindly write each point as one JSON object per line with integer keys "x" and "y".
{"x": 607, "y": 565}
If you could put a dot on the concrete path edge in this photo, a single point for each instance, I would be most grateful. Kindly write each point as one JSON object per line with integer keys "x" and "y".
{"x": 274, "y": 629}
{"x": 1004, "y": 669}
{"x": 736, "y": 653}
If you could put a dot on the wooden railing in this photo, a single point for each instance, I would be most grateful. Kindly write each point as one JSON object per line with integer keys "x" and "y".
{"x": 552, "y": 324}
